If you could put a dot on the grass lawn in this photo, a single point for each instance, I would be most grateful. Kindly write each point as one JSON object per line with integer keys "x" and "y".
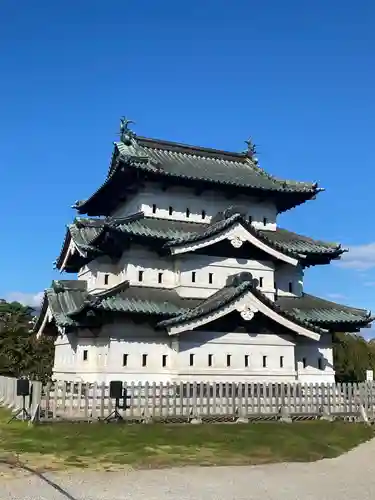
{"x": 159, "y": 445}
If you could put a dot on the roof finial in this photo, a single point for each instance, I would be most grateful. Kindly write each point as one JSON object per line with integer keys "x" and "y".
{"x": 251, "y": 150}
{"x": 125, "y": 133}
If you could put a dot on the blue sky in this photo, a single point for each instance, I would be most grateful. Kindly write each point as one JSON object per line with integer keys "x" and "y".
{"x": 296, "y": 76}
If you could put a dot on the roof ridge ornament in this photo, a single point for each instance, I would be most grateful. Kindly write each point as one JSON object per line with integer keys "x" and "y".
{"x": 126, "y": 134}
{"x": 251, "y": 150}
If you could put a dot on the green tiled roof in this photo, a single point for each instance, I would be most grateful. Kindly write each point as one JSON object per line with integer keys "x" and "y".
{"x": 138, "y": 299}
{"x": 63, "y": 298}
{"x": 193, "y": 166}
{"x": 204, "y": 164}
{"x": 236, "y": 287}
{"x": 281, "y": 239}
{"x": 86, "y": 232}
{"x": 70, "y": 305}
{"x": 213, "y": 303}
{"x": 88, "y": 235}
{"x": 323, "y": 312}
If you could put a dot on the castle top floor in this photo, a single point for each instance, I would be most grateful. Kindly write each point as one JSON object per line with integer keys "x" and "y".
{"x": 138, "y": 162}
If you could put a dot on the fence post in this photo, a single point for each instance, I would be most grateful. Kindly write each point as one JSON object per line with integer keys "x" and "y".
{"x": 35, "y": 401}
{"x": 284, "y": 415}
{"x": 2, "y": 389}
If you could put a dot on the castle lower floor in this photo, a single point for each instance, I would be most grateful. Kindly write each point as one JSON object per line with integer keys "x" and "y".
{"x": 136, "y": 353}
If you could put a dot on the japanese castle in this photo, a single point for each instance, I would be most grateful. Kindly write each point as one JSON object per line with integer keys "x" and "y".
{"x": 184, "y": 275}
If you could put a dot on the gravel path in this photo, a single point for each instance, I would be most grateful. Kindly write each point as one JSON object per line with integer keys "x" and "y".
{"x": 349, "y": 477}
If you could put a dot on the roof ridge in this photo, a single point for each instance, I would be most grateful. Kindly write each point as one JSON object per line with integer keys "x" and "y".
{"x": 112, "y": 291}
{"x": 149, "y": 142}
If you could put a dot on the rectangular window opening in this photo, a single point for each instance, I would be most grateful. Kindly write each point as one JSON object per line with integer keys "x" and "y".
{"x": 144, "y": 359}
{"x": 164, "y": 360}
{"x": 265, "y": 221}
{"x": 154, "y": 208}
{"x": 246, "y": 360}
{"x": 264, "y": 361}
{"x": 187, "y": 212}
{"x": 125, "y": 360}
{"x": 193, "y": 277}
{"x": 170, "y": 210}
{"x": 85, "y": 355}
{"x": 320, "y": 363}
{"x": 210, "y": 357}
{"x": 106, "y": 279}
{"x": 304, "y": 362}
{"x": 281, "y": 361}
{"x": 228, "y": 359}
{"x": 140, "y": 275}
{"x": 160, "y": 277}
{"x": 261, "y": 281}
{"x": 203, "y": 214}
{"x": 191, "y": 360}
{"x": 210, "y": 278}
{"x": 290, "y": 287}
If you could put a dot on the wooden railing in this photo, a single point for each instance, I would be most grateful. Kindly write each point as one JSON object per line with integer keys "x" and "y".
{"x": 186, "y": 402}
{"x": 209, "y": 401}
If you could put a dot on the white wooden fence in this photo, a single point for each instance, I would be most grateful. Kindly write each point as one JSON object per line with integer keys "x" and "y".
{"x": 186, "y": 402}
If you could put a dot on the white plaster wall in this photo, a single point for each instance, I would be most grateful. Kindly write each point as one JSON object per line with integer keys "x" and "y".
{"x": 176, "y": 272}
{"x": 237, "y": 345}
{"x": 64, "y": 366}
{"x": 180, "y": 199}
{"x": 312, "y": 351}
{"x": 285, "y": 274}
{"x": 138, "y": 259}
{"x": 105, "y": 356}
{"x": 95, "y": 271}
{"x": 221, "y": 268}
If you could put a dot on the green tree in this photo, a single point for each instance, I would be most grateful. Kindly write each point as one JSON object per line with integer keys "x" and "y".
{"x": 352, "y": 355}
{"x": 21, "y": 354}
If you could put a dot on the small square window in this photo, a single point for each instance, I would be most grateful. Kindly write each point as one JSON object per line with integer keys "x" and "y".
{"x": 164, "y": 360}
{"x": 281, "y": 361}
{"x": 261, "y": 281}
{"x": 160, "y": 277}
{"x": 106, "y": 279}
{"x": 170, "y": 211}
{"x": 228, "y": 359}
{"x": 85, "y": 355}
{"x": 246, "y": 360}
{"x": 210, "y": 278}
{"x": 125, "y": 360}
{"x": 191, "y": 360}
{"x": 187, "y": 212}
{"x": 144, "y": 359}
{"x": 210, "y": 357}
{"x": 290, "y": 287}
{"x": 304, "y": 362}
{"x": 264, "y": 361}
{"x": 203, "y": 214}
{"x": 265, "y": 221}
{"x": 193, "y": 277}
{"x": 154, "y": 208}
{"x": 140, "y": 275}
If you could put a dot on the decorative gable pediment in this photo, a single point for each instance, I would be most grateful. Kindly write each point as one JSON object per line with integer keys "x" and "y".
{"x": 237, "y": 235}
